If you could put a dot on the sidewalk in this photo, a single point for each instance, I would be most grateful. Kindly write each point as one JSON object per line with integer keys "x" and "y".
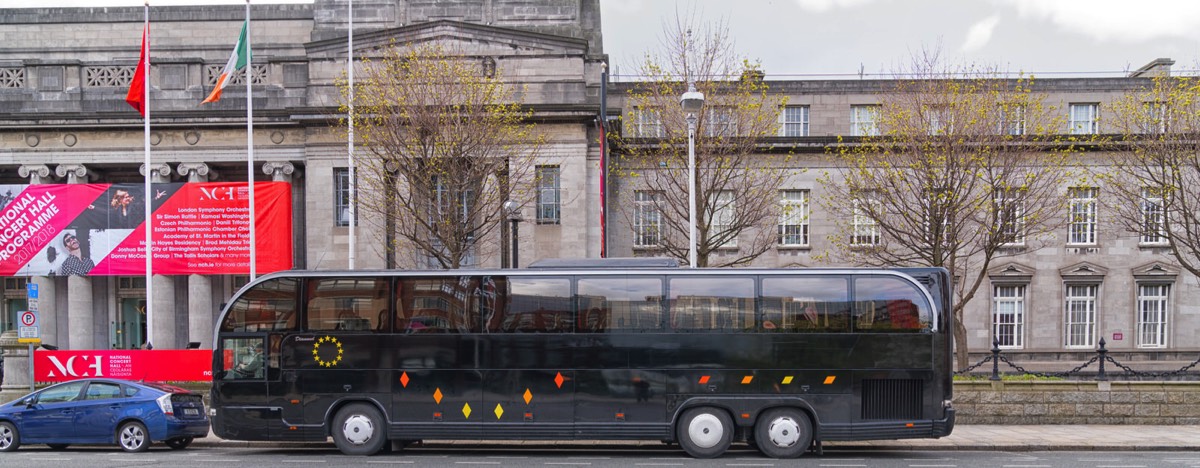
{"x": 965, "y": 437}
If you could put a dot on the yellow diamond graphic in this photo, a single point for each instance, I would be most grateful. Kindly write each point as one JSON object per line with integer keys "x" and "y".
{"x": 787, "y": 380}
{"x": 528, "y": 396}
{"x": 467, "y": 410}
{"x": 499, "y": 411}
{"x": 437, "y": 396}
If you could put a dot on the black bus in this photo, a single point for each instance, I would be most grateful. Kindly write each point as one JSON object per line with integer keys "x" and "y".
{"x": 597, "y": 350}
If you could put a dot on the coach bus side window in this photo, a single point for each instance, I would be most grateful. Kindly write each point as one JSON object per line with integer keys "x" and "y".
{"x": 711, "y": 303}
{"x": 619, "y": 304}
{"x": 345, "y": 304}
{"x": 533, "y": 305}
{"x": 889, "y": 304}
{"x": 805, "y": 304}
{"x": 270, "y": 305}
{"x": 438, "y": 305}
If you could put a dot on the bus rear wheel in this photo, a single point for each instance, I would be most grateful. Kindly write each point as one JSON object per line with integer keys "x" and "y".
{"x": 705, "y": 432}
{"x": 783, "y": 433}
{"x": 358, "y": 429}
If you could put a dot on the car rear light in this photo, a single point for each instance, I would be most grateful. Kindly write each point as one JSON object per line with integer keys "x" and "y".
{"x": 164, "y": 404}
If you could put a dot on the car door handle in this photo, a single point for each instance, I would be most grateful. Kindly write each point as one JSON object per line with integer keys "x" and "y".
{"x": 66, "y": 411}
{"x": 114, "y": 406}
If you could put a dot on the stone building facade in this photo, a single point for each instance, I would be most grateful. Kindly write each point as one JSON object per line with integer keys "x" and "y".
{"x": 64, "y": 73}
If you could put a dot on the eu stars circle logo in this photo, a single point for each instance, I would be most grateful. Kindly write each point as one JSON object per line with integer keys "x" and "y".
{"x": 327, "y": 351}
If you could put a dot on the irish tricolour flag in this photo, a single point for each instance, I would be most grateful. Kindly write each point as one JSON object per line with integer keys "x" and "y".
{"x": 237, "y": 61}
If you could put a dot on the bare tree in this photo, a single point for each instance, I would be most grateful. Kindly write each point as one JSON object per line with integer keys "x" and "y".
{"x": 448, "y": 144}
{"x": 737, "y": 199}
{"x": 959, "y": 168}
{"x": 1157, "y": 169}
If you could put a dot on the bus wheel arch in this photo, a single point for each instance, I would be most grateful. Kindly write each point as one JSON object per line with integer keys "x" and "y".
{"x": 358, "y": 428}
{"x": 705, "y": 431}
{"x": 784, "y": 432}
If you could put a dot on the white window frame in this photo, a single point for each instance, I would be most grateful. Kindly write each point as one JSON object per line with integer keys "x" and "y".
{"x": 1153, "y": 217}
{"x": 341, "y": 197}
{"x": 1012, "y": 120}
{"x": 793, "y": 218}
{"x": 941, "y": 120}
{"x": 648, "y": 122}
{"x": 1155, "y": 117}
{"x": 864, "y": 230}
{"x": 1153, "y": 314}
{"x": 724, "y": 215}
{"x": 720, "y": 122}
{"x": 1081, "y": 207}
{"x": 1084, "y": 118}
{"x": 1010, "y": 223}
{"x": 549, "y": 195}
{"x": 1080, "y": 301}
{"x": 864, "y": 120}
{"x": 794, "y": 121}
{"x": 1008, "y": 315}
{"x": 647, "y": 220}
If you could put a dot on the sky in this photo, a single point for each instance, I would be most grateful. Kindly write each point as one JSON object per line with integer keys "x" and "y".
{"x": 796, "y": 39}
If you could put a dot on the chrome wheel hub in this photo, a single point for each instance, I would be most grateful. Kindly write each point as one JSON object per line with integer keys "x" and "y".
{"x": 783, "y": 432}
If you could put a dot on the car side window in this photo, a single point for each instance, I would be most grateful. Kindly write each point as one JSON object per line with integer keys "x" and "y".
{"x": 61, "y": 393}
{"x": 130, "y": 391}
{"x": 102, "y": 391}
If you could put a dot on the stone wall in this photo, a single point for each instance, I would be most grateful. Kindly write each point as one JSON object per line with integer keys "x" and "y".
{"x": 1077, "y": 402}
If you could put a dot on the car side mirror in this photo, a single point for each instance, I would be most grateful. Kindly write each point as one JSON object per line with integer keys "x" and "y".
{"x": 29, "y": 402}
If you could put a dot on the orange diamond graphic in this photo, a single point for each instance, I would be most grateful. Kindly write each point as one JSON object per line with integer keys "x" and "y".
{"x": 528, "y": 396}
{"x": 830, "y": 379}
{"x": 747, "y": 379}
{"x": 558, "y": 379}
{"x": 404, "y": 379}
{"x": 437, "y": 396}
{"x": 467, "y": 410}
{"x": 703, "y": 379}
{"x": 499, "y": 411}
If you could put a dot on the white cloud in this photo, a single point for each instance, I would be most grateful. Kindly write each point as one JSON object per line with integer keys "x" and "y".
{"x": 1116, "y": 20}
{"x": 826, "y": 5}
{"x": 980, "y": 33}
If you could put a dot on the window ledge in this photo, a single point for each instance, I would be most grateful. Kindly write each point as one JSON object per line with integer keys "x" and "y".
{"x": 794, "y": 248}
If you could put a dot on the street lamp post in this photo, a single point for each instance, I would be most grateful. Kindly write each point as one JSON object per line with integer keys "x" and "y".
{"x": 514, "y": 215}
{"x": 692, "y": 101}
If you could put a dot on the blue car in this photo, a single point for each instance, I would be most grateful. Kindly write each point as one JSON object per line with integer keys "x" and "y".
{"x": 104, "y": 411}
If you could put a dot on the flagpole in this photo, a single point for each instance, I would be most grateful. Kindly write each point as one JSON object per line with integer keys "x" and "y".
{"x": 250, "y": 143}
{"x": 350, "y": 140}
{"x": 147, "y": 194}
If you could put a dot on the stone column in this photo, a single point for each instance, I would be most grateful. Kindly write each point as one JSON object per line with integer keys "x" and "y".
{"x": 200, "y": 303}
{"x": 47, "y": 306}
{"x": 279, "y": 171}
{"x": 81, "y": 332}
{"x": 16, "y": 367}
{"x": 162, "y": 329}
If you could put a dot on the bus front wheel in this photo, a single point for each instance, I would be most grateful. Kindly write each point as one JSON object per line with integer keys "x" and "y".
{"x": 358, "y": 429}
{"x": 783, "y": 433}
{"x": 705, "y": 432}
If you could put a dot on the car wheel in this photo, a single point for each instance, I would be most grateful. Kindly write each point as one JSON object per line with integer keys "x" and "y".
{"x": 358, "y": 430}
{"x": 180, "y": 443}
{"x": 705, "y": 432}
{"x": 133, "y": 437}
{"x": 9, "y": 439}
{"x": 783, "y": 433}
{"x": 58, "y": 446}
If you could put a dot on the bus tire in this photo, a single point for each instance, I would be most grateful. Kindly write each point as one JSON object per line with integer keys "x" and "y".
{"x": 705, "y": 432}
{"x": 358, "y": 429}
{"x": 783, "y": 433}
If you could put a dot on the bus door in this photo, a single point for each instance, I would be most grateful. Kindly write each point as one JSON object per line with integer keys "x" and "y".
{"x": 241, "y": 392}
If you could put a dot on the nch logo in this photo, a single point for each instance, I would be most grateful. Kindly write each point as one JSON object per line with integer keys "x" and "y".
{"x": 218, "y": 193}
{"x": 69, "y": 367}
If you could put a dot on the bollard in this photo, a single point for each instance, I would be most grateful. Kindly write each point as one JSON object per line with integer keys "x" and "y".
{"x": 1103, "y": 355}
{"x": 995, "y": 360}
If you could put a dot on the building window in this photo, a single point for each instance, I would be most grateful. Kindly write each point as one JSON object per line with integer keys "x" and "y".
{"x": 864, "y": 227}
{"x": 721, "y": 122}
{"x": 1155, "y": 118}
{"x": 16, "y": 295}
{"x": 1008, "y": 316}
{"x": 647, "y": 123}
{"x": 793, "y": 218}
{"x": 1082, "y": 226}
{"x": 724, "y": 217}
{"x": 1153, "y": 231}
{"x": 940, "y": 120}
{"x": 1012, "y": 120}
{"x": 864, "y": 120}
{"x": 795, "y": 121}
{"x": 1010, "y": 216}
{"x": 1152, "y": 311}
{"x": 1084, "y": 119}
{"x": 1081, "y": 315}
{"x": 647, "y": 221}
{"x": 548, "y": 195}
{"x": 341, "y": 196}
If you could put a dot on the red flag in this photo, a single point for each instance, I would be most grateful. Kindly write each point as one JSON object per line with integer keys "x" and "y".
{"x": 137, "y": 89}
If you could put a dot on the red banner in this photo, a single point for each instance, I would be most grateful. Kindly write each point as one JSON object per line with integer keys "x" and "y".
{"x": 99, "y": 229}
{"x": 174, "y": 365}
